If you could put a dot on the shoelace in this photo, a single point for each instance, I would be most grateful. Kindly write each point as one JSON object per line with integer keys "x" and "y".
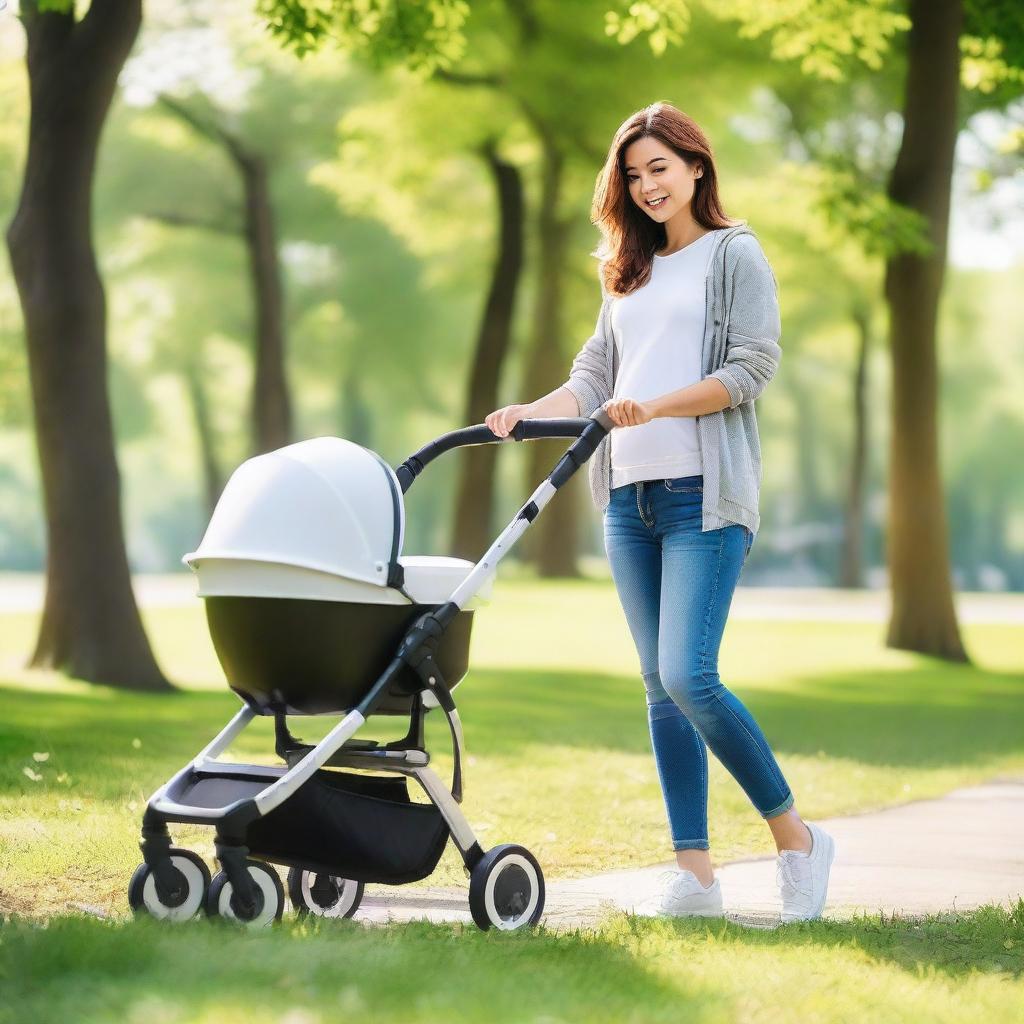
{"x": 787, "y": 880}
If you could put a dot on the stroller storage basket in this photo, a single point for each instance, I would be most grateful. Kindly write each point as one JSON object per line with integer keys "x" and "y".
{"x": 362, "y": 827}
{"x": 320, "y": 657}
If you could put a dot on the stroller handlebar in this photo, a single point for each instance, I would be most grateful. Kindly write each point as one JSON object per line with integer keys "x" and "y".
{"x": 590, "y": 431}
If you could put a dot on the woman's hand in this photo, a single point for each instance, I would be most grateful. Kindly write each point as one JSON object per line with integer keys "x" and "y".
{"x": 501, "y": 421}
{"x": 628, "y": 412}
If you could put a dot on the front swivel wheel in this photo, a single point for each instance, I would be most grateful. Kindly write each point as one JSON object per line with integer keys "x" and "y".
{"x": 189, "y": 880}
{"x": 506, "y": 889}
{"x": 268, "y": 903}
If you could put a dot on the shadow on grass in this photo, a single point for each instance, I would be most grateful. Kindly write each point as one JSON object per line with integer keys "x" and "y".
{"x": 86, "y": 971}
{"x": 629, "y": 969}
{"x": 933, "y": 716}
{"x": 989, "y": 939}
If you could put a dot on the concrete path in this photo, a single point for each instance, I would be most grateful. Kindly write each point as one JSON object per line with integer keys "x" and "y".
{"x": 953, "y": 853}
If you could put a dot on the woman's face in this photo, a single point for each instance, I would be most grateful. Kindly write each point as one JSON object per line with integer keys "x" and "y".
{"x": 654, "y": 171}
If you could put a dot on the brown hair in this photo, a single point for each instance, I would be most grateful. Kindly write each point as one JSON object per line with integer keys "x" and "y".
{"x": 629, "y": 237}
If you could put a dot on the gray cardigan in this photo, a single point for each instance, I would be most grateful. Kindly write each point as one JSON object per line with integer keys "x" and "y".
{"x": 740, "y": 348}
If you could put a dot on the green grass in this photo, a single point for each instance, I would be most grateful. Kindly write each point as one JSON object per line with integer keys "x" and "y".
{"x": 560, "y": 761}
{"x": 954, "y": 968}
{"x": 559, "y": 755}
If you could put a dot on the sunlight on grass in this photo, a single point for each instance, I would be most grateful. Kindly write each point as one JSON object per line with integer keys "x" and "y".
{"x": 559, "y": 753}
{"x": 951, "y": 968}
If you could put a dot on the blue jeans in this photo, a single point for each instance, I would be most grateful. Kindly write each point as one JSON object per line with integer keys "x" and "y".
{"x": 675, "y": 584}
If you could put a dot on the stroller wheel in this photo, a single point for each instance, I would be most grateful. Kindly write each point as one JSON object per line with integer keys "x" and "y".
{"x": 269, "y": 905}
{"x": 323, "y": 895}
{"x": 191, "y": 879}
{"x": 506, "y": 889}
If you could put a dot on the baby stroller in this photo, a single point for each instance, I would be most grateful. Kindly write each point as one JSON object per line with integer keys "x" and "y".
{"x": 314, "y": 610}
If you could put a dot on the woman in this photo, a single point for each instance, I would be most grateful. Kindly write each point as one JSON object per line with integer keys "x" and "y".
{"x": 686, "y": 339}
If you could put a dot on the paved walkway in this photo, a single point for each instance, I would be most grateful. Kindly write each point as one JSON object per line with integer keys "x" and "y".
{"x": 953, "y": 853}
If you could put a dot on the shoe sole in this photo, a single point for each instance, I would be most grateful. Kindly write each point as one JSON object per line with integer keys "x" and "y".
{"x": 716, "y": 910}
{"x": 691, "y": 913}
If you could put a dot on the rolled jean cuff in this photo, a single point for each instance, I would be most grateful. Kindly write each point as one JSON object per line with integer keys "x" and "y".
{"x": 781, "y": 809}
{"x": 690, "y": 844}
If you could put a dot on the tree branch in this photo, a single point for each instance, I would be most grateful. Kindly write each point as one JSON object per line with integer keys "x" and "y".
{"x": 174, "y": 219}
{"x": 105, "y": 35}
{"x": 207, "y": 128}
{"x": 465, "y": 78}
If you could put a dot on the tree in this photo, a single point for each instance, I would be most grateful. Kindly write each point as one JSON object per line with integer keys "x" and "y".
{"x": 271, "y": 412}
{"x": 90, "y": 626}
{"x": 471, "y": 531}
{"x": 937, "y": 33}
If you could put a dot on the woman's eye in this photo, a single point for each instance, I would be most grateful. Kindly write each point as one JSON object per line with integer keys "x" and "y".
{"x": 632, "y": 177}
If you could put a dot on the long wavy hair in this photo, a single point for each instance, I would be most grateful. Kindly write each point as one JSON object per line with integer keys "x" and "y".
{"x": 629, "y": 238}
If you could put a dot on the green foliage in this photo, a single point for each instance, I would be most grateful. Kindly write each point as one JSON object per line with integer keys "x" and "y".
{"x": 820, "y": 34}
{"x": 422, "y": 34}
{"x": 663, "y": 21}
{"x": 881, "y": 226}
{"x": 57, "y": 6}
{"x": 999, "y": 19}
{"x": 984, "y": 64}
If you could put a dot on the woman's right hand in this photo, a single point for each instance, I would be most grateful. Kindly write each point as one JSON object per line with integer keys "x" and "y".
{"x": 501, "y": 421}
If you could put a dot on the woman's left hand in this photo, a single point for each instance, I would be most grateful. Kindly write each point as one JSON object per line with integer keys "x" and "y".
{"x": 628, "y": 412}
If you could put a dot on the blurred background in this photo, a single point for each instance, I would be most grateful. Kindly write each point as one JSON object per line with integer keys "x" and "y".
{"x": 372, "y": 221}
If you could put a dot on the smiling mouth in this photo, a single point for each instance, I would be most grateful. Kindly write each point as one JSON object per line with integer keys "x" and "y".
{"x": 654, "y": 204}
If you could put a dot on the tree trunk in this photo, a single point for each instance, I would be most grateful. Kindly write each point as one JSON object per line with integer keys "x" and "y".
{"x": 923, "y": 615}
{"x": 807, "y": 446}
{"x": 91, "y": 628}
{"x": 212, "y": 478}
{"x": 271, "y": 415}
{"x": 551, "y": 544}
{"x": 474, "y": 501}
{"x": 271, "y": 409}
{"x": 851, "y": 566}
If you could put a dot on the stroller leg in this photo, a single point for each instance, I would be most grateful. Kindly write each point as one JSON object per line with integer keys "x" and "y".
{"x": 234, "y": 857}
{"x": 156, "y": 852}
{"x": 462, "y": 833}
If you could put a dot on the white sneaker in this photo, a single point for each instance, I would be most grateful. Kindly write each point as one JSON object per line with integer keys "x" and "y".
{"x": 803, "y": 877}
{"x": 686, "y": 897}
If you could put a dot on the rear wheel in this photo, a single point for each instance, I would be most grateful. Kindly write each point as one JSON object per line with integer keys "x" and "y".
{"x": 190, "y": 879}
{"x": 506, "y": 889}
{"x": 323, "y": 895}
{"x": 267, "y": 907}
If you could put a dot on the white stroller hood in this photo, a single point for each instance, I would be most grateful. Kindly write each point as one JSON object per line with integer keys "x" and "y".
{"x": 320, "y": 519}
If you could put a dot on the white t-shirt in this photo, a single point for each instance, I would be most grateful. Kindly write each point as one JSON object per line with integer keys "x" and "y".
{"x": 659, "y": 334}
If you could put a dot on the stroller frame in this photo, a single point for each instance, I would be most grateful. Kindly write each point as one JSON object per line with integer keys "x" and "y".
{"x": 262, "y": 789}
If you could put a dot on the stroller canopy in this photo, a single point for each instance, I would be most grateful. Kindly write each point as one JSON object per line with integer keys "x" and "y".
{"x": 326, "y": 504}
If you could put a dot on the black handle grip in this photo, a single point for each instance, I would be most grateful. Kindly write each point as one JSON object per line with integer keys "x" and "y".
{"x": 590, "y": 431}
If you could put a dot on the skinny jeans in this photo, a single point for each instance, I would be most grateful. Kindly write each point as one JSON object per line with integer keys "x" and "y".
{"x": 675, "y": 584}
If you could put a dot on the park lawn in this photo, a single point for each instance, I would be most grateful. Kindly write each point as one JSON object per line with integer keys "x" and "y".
{"x": 559, "y": 755}
{"x": 630, "y": 970}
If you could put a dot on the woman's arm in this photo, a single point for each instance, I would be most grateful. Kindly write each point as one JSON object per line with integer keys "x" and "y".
{"x": 699, "y": 399}
{"x": 752, "y": 351}
{"x": 587, "y": 382}
{"x": 557, "y": 404}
